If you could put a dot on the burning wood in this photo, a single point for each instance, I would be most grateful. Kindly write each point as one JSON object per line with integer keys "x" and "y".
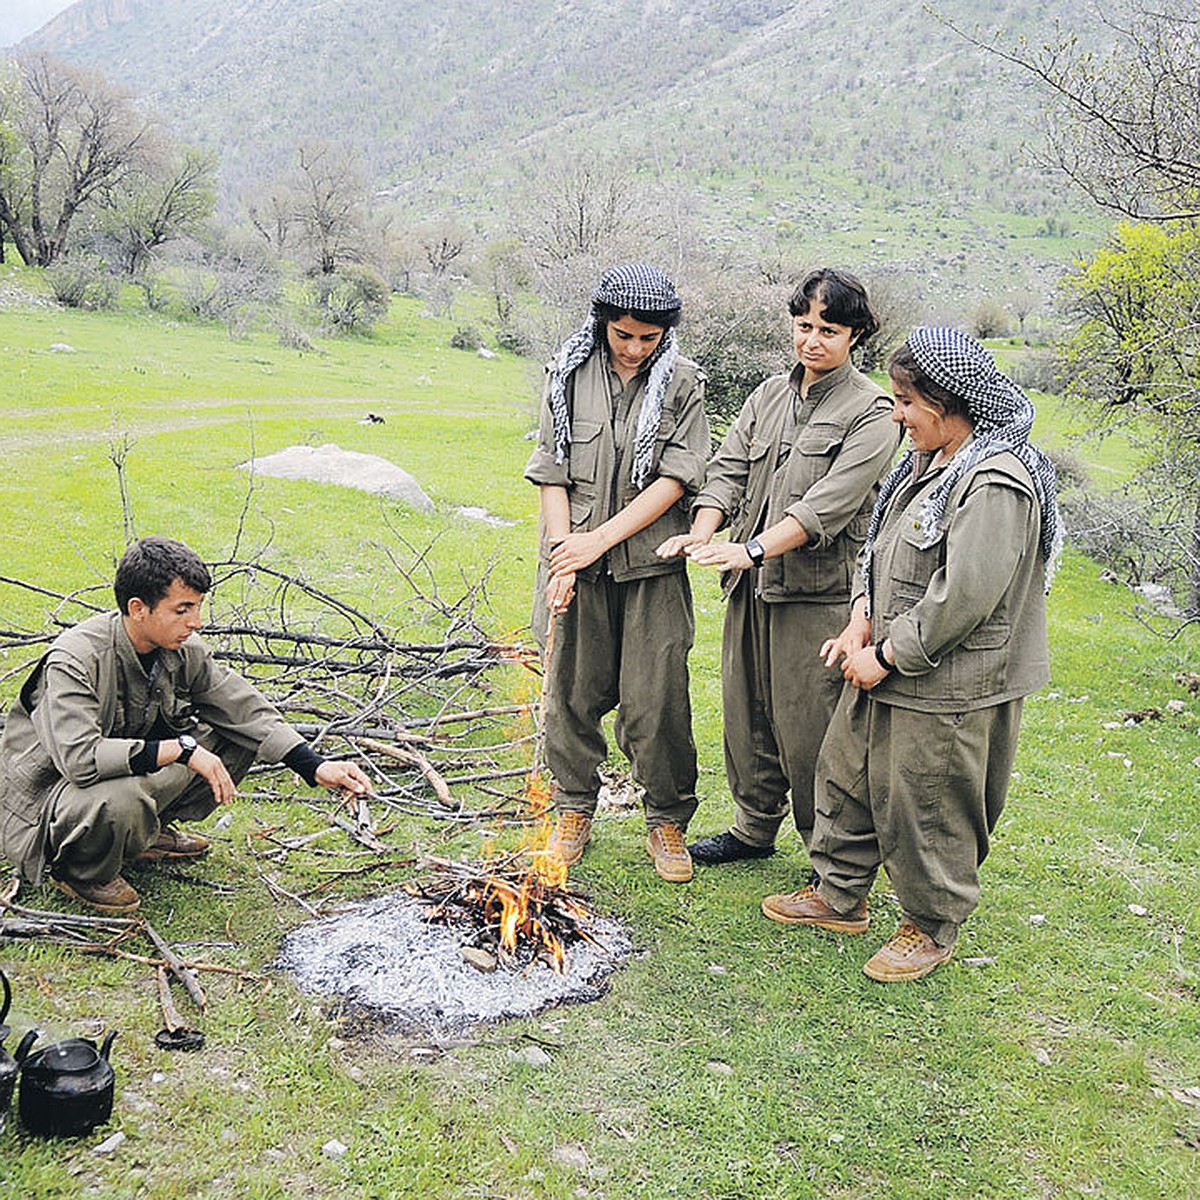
{"x": 517, "y": 907}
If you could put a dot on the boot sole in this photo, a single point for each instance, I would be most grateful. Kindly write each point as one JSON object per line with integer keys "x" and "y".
{"x": 68, "y": 890}
{"x": 159, "y": 855}
{"x": 834, "y": 925}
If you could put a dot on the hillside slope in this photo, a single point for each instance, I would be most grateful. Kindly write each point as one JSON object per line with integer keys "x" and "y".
{"x": 812, "y": 118}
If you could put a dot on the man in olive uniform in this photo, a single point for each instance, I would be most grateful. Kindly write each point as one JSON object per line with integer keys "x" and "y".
{"x": 129, "y": 723}
{"x": 794, "y": 480}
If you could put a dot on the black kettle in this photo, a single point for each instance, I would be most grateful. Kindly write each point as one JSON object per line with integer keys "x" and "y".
{"x": 66, "y": 1089}
{"x": 8, "y": 1064}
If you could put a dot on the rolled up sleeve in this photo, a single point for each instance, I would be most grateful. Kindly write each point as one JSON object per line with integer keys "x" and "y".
{"x": 685, "y": 452}
{"x": 828, "y": 506}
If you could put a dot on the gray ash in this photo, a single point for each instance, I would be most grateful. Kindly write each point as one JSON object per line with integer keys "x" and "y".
{"x": 385, "y": 959}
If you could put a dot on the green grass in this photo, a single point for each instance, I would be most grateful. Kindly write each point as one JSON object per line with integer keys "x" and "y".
{"x": 732, "y": 1057}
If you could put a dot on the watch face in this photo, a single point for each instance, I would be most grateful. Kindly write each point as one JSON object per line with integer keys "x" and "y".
{"x": 187, "y": 741}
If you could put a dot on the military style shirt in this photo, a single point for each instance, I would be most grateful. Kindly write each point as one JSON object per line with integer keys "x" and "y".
{"x": 818, "y": 460}
{"x": 89, "y": 707}
{"x": 599, "y": 462}
{"x": 966, "y": 615}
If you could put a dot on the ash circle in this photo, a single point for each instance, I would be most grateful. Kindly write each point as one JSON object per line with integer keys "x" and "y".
{"x": 384, "y": 959}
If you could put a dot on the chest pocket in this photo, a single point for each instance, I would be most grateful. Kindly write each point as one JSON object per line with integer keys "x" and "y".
{"x": 816, "y": 448}
{"x": 585, "y": 451}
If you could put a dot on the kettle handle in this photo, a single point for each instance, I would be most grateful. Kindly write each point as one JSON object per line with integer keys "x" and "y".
{"x": 7, "y": 996}
{"x": 25, "y": 1045}
{"x": 107, "y": 1044}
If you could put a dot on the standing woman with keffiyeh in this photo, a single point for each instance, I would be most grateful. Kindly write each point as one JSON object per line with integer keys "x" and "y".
{"x": 947, "y": 635}
{"x": 621, "y": 450}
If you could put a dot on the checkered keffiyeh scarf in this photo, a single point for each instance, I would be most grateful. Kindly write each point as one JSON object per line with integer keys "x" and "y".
{"x": 1003, "y": 417}
{"x": 637, "y": 287}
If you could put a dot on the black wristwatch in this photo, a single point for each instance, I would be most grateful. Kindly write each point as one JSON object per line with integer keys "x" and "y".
{"x": 754, "y": 548}
{"x": 188, "y": 745}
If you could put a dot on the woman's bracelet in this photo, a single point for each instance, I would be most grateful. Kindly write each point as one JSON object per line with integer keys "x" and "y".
{"x": 881, "y": 658}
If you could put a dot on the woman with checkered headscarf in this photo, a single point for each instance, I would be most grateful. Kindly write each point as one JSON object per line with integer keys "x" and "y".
{"x": 621, "y": 449}
{"x": 947, "y": 635}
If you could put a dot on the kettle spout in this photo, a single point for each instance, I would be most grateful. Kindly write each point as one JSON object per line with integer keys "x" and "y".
{"x": 107, "y": 1044}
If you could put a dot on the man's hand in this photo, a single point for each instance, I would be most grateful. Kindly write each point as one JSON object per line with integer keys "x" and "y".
{"x": 347, "y": 777}
{"x": 206, "y": 763}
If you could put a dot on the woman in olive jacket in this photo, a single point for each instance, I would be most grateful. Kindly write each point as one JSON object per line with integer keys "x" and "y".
{"x": 946, "y": 636}
{"x": 620, "y": 452}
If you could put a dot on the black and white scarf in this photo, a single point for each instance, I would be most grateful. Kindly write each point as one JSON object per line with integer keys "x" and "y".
{"x": 631, "y": 287}
{"x": 1003, "y": 417}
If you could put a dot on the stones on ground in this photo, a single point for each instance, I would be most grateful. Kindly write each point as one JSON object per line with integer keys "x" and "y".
{"x": 109, "y": 1144}
{"x": 481, "y": 960}
{"x": 334, "y": 1149}
{"x": 717, "y": 1067}
{"x": 531, "y": 1056}
{"x": 61, "y": 348}
{"x": 346, "y": 468}
{"x": 1036, "y": 919}
{"x": 573, "y": 1156}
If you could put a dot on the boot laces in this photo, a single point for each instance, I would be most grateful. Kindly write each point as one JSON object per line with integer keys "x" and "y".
{"x": 672, "y": 839}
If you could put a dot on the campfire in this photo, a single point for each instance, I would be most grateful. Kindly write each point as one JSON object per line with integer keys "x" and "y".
{"x": 513, "y": 908}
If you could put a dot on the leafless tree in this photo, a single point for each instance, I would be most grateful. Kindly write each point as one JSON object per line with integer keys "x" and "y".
{"x": 330, "y": 199}
{"x": 160, "y": 205}
{"x": 1123, "y": 125}
{"x": 69, "y": 138}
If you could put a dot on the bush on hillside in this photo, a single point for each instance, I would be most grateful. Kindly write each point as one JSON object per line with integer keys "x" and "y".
{"x": 83, "y": 282}
{"x": 351, "y": 299}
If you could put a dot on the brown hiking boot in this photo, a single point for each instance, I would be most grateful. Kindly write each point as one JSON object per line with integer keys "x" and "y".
{"x": 670, "y": 853}
{"x": 572, "y": 832}
{"x": 908, "y": 954}
{"x": 806, "y": 907}
{"x": 116, "y": 896}
{"x": 174, "y": 843}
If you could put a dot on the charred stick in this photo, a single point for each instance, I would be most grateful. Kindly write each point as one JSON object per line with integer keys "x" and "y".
{"x": 185, "y": 976}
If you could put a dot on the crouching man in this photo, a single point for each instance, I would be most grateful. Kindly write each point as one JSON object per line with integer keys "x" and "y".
{"x": 129, "y": 724}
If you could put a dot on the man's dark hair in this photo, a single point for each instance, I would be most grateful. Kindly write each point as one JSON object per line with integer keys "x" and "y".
{"x": 841, "y": 299}
{"x": 149, "y": 567}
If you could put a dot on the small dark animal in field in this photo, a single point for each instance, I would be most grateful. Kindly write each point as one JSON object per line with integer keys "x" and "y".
{"x": 373, "y": 419}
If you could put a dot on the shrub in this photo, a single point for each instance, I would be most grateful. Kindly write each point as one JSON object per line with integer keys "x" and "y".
{"x": 352, "y": 298}
{"x": 83, "y": 283}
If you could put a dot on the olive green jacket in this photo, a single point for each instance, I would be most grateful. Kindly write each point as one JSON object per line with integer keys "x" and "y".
{"x": 599, "y": 462}
{"x": 88, "y": 708}
{"x": 966, "y": 615}
{"x": 826, "y": 476}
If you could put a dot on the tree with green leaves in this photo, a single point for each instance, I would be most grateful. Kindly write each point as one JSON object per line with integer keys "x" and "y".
{"x": 171, "y": 198}
{"x": 1124, "y": 124}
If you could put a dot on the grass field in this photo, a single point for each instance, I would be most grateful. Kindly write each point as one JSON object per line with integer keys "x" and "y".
{"x": 1057, "y": 1056}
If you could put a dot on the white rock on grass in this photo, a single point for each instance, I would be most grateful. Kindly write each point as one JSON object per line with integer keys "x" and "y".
{"x": 334, "y": 1149}
{"x": 346, "y": 468}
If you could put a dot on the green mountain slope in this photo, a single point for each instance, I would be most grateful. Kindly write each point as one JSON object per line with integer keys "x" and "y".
{"x": 875, "y": 130}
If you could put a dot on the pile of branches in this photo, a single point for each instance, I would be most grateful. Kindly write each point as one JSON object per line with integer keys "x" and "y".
{"x": 411, "y": 695}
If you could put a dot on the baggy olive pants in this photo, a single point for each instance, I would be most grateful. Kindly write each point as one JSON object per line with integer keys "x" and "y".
{"x": 623, "y": 646}
{"x": 778, "y": 698}
{"x": 919, "y": 793}
{"x": 95, "y": 831}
